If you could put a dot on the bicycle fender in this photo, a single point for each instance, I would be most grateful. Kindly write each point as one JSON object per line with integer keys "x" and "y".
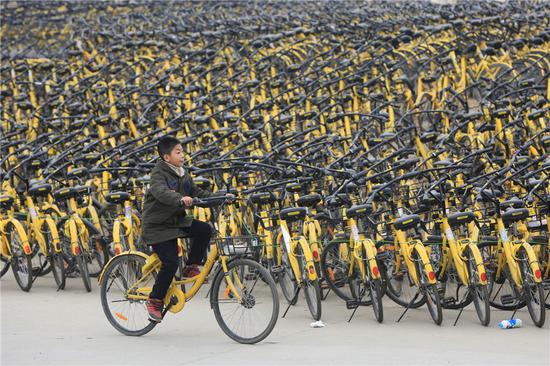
{"x": 128, "y": 252}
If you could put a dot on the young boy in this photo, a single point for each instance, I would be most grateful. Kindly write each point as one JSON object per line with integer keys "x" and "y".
{"x": 171, "y": 190}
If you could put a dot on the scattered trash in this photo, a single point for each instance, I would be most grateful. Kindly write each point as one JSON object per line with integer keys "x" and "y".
{"x": 317, "y": 324}
{"x": 512, "y": 323}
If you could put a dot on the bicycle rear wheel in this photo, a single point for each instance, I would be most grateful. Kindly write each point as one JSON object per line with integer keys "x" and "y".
{"x": 399, "y": 284}
{"x": 335, "y": 269}
{"x": 99, "y": 255}
{"x": 500, "y": 287}
{"x": 251, "y": 319}
{"x": 129, "y": 317}
{"x": 533, "y": 292}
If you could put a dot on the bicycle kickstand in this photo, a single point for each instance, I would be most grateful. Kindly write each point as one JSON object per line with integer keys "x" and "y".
{"x": 40, "y": 271}
{"x": 409, "y": 305}
{"x": 515, "y": 309}
{"x": 358, "y": 303}
{"x": 461, "y": 308}
{"x": 294, "y": 298}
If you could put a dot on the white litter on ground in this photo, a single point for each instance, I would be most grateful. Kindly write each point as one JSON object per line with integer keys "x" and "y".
{"x": 317, "y": 324}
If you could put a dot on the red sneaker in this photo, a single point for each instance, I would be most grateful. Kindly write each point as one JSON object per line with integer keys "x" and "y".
{"x": 192, "y": 270}
{"x": 154, "y": 308}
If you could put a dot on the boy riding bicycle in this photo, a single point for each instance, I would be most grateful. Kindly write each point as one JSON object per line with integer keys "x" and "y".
{"x": 165, "y": 220}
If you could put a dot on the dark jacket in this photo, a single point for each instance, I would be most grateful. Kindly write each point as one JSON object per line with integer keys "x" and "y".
{"x": 164, "y": 216}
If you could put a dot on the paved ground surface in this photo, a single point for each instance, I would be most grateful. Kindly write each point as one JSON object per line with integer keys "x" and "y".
{"x": 45, "y": 327}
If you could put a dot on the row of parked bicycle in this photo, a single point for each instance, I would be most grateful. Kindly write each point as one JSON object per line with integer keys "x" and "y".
{"x": 394, "y": 149}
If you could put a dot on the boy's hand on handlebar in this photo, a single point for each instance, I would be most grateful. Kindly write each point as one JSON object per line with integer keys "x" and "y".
{"x": 187, "y": 201}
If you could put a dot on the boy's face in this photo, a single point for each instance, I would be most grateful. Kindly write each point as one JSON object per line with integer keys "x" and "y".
{"x": 175, "y": 157}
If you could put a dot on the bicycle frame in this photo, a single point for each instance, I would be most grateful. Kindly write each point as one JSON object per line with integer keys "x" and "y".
{"x": 292, "y": 241}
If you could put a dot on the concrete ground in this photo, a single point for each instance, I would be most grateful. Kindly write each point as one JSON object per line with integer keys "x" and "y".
{"x": 45, "y": 327}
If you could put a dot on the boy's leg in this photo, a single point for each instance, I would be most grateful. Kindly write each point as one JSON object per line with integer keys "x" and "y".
{"x": 168, "y": 255}
{"x": 200, "y": 232}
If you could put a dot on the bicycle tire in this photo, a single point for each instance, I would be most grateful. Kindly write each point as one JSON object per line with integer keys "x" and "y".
{"x": 430, "y": 291}
{"x": 117, "y": 262}
{"x": 394, "y": 290}
{"x": 57, "y": 263}
{"x": 533, "y": 292}
{"x": 266, "y": 278}
{"x": 82, "y": 262}
{"x": 375, "y": 288}
{"x": 20, "y": 261}
{"x": 338, "y": 281}
{"x": 480, "y": 295}
{"x": 5, "y": 266}
{"x": 287, "y": 280}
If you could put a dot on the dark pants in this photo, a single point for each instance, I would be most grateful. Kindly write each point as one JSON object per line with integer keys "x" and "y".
{"x": 167, "y": 251}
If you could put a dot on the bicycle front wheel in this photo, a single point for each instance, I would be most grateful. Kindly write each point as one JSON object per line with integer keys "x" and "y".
{"x": 252, "y": 318}
{"x": 375, "y": 289}
{"x": 312, "y": 289}
{"x": 479, "y": 291}
{"x": 82, "y": 260}
{"x": 287, "y": 279}
{"x": 4, "y": 266}
{"x": 128, "y": 316}
{"x": 429, "y": 291}
{"x": 21, "y": 263}
{"x": 532, "y": 291}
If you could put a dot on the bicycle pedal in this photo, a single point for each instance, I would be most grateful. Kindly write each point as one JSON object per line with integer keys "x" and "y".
{"x": 448, "y": 301}
{"x": 251, "y": 276}
{"x": 276, "y": 269}
{"x": 352, "y": 304}
{"x": 507, "y": 299}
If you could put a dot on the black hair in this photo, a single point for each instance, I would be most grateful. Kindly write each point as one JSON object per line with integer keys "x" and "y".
{"x": 166, "y": 144}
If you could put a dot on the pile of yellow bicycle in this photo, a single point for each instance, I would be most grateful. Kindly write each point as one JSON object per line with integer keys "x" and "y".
{"x": 376, "y": 149}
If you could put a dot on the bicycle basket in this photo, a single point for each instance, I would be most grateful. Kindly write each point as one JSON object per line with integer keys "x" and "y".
{"x": 239, "y": 245}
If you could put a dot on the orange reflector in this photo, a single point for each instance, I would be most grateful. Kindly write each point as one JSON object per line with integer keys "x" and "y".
{"x": 331, "y": 274}
{"x": 431, "y": 275}
{"x": 226, "y": 292}
{"x": 375, "y": 271}
{"x": 315, "y": 254}
{"x": 537, "y": 273}
{"x": 119, "y": 315}
{"x": 117, "y": 251}
{"x": 311, "y": 270}
{"x": 76, "y": 250}
{"x": 27, "y": 248}
{"x": 483, "y": 277}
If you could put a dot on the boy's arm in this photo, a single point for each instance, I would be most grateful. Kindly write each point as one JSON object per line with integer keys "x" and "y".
{"x": 159, "y": 189}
